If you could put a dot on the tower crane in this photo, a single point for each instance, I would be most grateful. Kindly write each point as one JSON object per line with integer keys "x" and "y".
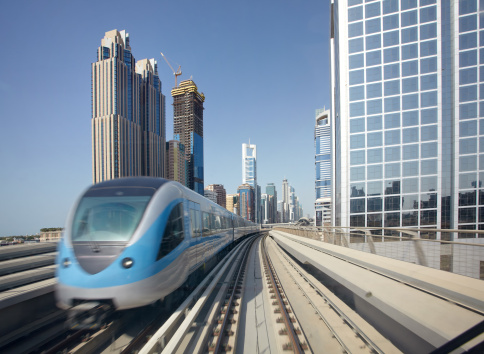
{"x": 177, "y": 73}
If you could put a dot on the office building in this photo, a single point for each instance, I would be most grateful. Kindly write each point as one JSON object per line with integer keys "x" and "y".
{"x": 210, "y": 194}
{"x": 188, "y": 129}
{"x": 272, "y": 203}
{"x": 406, "y": 101}
{"x": 220, "y": 193}
{"x": 249, "y": 174}
{"x": 246, "y": 195}
{"x": 152, "y": 119}
{"x": 128, "y": 117}
{"x": 263, "y": 208}
{"x": 176, "y": 162}
{"x": 322, "y": 145}
{"x": 232, "y": 203}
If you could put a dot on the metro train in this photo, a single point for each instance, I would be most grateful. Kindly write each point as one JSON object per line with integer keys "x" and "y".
{"x": 130, "y": 242}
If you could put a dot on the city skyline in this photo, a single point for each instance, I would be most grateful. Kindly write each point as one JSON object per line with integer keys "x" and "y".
{"x": 45, "y": 143}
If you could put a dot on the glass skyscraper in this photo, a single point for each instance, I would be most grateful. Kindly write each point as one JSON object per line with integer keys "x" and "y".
{"x": 249, "y": 174}
{"x": 128, "y": 113}
{"x": 407, "y": 99}
{"x": 322, "y": 146}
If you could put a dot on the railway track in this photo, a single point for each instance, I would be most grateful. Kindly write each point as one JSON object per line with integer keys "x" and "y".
{"x": 418, "y": 285}
{"x": 297, "y": 341}
{"x": 351, "y": 332}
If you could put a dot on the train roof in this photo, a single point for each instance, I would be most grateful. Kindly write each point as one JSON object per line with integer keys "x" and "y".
{"x": 147, "y": 182}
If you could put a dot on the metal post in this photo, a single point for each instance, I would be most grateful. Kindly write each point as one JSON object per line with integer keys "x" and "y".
{"x": 418, "y": 247}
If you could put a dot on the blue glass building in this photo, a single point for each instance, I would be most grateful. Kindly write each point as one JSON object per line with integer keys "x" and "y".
{"x": 322, "y": 146}
{"x": 407, "y": 106}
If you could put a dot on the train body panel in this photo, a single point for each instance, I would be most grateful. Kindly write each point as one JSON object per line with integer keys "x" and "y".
{"x": 133, "y": 241}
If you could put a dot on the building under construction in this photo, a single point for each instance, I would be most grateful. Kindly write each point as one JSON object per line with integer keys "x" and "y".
{"x": 188, "y": 129}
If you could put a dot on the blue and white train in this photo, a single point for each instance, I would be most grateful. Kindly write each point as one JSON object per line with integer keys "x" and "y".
{"x": 129, "y": 242}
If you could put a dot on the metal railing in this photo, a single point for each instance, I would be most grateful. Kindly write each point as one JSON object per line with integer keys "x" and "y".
{"x": 433, "y": 248}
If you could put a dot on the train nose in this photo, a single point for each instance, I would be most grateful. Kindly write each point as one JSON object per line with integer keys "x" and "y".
{"x": 95, "y": 259}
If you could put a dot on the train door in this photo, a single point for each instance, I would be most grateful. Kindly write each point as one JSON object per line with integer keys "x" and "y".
{"x": 196, "y": 230}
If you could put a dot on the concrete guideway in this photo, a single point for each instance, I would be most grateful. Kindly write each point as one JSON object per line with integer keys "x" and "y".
{"x": 326, "y": 320}
{"x": 414, "y": 319}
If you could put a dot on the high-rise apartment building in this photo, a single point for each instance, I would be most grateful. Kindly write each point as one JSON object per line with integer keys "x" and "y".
{"x": 322, "y": 145}
{"x": 176, "y": 162}
{"x": 407, "y": 97}
{"x": 246, "y": 201}
{"x": 210, "y": 195}
{"x": 249, "y": 173}
{"x": 220, "y": 193}
{"x": 188, "y": 129}
{"x": 128, "y": 117}
{"x": 232, "y": 203}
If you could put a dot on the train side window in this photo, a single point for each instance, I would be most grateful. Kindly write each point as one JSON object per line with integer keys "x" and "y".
{"x": 195, "y": 222}
{"x": 174, "y": 232}
{"x": 218, "y": 225}
{"x": 206, "y": 224}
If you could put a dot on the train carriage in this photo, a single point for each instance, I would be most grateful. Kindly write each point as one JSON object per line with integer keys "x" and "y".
{"x": 129, "y": 242}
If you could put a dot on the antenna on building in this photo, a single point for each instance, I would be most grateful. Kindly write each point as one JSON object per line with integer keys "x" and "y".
{"x": 177, "y": 73}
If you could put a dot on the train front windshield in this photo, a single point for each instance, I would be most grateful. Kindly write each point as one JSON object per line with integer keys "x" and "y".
{"x": 110, "y": 214}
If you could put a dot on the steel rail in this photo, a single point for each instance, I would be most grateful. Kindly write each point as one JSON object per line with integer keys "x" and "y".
{"x": 340, "y": 313}
{"x": 402, "y": 281}
{"x": 241, "y": 267}
{"x": 296, "y": 345}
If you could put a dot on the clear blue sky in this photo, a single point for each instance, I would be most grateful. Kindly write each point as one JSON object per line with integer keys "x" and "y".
{"x": 262, "y": 65}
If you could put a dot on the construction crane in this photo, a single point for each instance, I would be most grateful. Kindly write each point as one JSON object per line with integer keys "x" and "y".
{"x": 177, "y": 73}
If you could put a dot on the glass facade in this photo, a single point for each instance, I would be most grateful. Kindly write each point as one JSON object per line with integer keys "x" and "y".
{"x": 407, "y": 85}
{"x": 322, "y": 144}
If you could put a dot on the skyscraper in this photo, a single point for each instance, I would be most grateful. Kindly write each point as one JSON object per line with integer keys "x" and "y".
{"x": 322, "y": 145}
{"x": 128, "y": 118}
{"x": 188, "y": 129}
{"x": 246, "y": 201}
{"x": 232, "y": 203}
{"x": 220, "y": 193}
{"x": 176, "y": 162}
{"x": 286, "y": 192}
{"x": 249, "y": 173}
{"x": 406, "y": 102}
{"x": 272, "y": 201}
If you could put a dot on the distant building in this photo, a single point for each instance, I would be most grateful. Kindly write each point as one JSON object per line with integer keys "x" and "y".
{"x": 176, "y": 162}
{"x": 220, "y": 193}
{"x": 322, "y": 145}
{"x": 128, "y": 113}
{"x": 232, "y": 203}
{"x": 211, "y": 195}
{"x": 246, "y": 201}
{"x": 249, "y": 174}
{"x": 188, "y": 129}
{"x": 264, "y": 208}
{"x": 272, "y": 203}
{"x": 53, "y": 235}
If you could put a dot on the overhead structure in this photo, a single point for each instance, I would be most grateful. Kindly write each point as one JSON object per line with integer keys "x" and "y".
{"x": 176, "y": 73}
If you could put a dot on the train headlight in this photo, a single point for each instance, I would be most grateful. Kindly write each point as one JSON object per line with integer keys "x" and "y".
{"x": 127, "y": 262}
{"x": 66, "y": 262}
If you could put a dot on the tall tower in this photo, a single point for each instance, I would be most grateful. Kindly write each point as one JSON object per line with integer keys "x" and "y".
{"x": 188, "y": 129}
{"x": 406, "y": 102}
{"x": 272, "y": 201}
{"x": 249, "y": 173}
{"x": 322, "y": 145}
{"x": 128, "y": 115}
{"x": 116, "y": 124}
{"x": 246, "y": 201}
{"x": 220, "y": 193}
{"x": 152, "y": 119}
